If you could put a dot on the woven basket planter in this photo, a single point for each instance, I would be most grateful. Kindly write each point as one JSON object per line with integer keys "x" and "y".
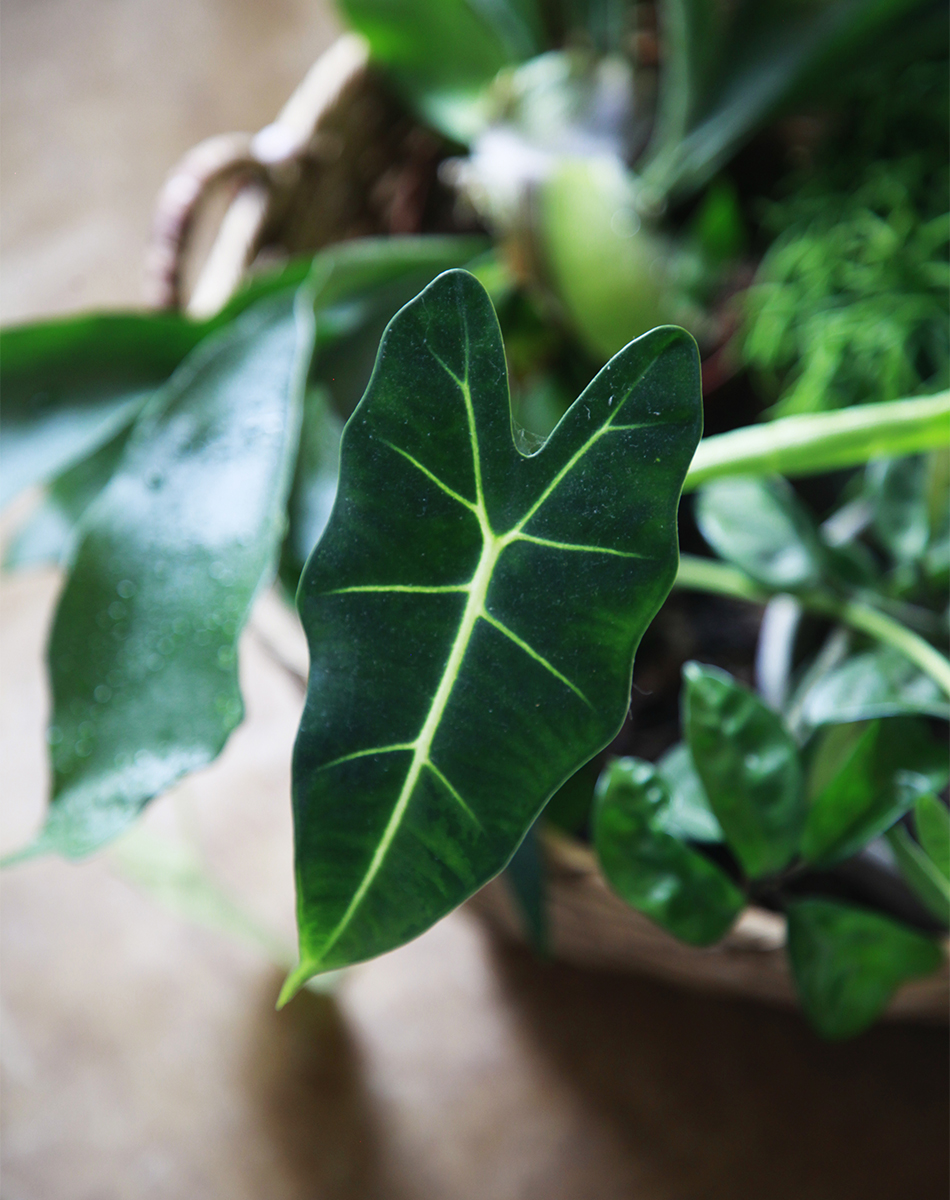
{"x": 344, "y": 160}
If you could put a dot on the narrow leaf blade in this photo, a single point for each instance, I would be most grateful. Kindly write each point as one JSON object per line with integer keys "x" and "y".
{"x": 472, "y": 615}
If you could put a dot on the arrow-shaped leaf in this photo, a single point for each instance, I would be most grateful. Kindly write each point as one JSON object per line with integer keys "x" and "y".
{"x": 472, "y": 614}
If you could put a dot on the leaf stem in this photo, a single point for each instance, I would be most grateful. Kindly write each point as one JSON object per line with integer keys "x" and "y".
{"x": 707, "y": 575}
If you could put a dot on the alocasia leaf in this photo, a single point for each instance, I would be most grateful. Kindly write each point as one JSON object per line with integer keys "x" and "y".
{"x": 848, "y": 962}
{"x": 877, "y": 783}
{"x": 143, "y": 649}
{"x": 748, "y": 763}
{"x": 762, "y": 527}
{"x": 472, "y": 614}
{"x": 653, "y": 871}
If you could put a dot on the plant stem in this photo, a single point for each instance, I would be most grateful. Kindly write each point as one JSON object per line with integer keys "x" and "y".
{"x": 707, "y": 575}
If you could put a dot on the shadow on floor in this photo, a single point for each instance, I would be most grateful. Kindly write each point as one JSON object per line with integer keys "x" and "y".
{"x": 721, "y": 1098}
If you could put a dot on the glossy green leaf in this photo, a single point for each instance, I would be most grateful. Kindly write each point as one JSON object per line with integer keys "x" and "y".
{"x": 749, "y": 766}
{"x": 921, "y": 873}
{"x": 762, "y": 527}
{"x": 898, "y": 489}
{"x": 877, "y": 683}
{"x": 653, "y": 871}
{"x": 315, "y": 482}
{"x": 932, "y": 822}
{"x": 143, "y": 649}
{"x": 443, "y": 53}
{"x": 876, "y": 784}
{"x": 848, "y": 962}
{"x": 472, "y": 614}
{"x": 70, "y": 385}
{"x": 688, "y": 814}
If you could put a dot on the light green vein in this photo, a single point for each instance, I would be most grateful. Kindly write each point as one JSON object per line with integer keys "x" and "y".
{"x": 400, "y": 587}
{"x": 579, "y": 453}
{"x": 453, "y": 793}
{"x": 366, "y": 753}
{"x": 539, "y": 541}
{"x": 532, "y": 653}
{"x": 435, "y": 479}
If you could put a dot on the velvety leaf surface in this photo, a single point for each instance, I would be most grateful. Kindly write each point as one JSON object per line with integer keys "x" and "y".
{"x": 848, "y": 962}
{"x": 653, "y": 871}
{"x": 70, "y": 385}
{"x": 878, "y": 782}
{"x": 143, "y": 650}
{"x": 877, "y": 683}
{"x": 761, "y": 526}
{"x": 688, "y": 814}
{"x": 472, "y": 614}
{"x": 749, "y": 767}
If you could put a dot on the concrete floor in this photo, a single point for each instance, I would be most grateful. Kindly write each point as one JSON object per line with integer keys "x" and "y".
{"x": 142, "y": 1056}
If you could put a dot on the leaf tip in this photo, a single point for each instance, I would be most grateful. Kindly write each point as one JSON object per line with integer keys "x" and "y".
{"x": 295, "y": 981}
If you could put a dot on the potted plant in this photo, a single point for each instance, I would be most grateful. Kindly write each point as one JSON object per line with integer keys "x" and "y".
{"x": 485, "y": 568}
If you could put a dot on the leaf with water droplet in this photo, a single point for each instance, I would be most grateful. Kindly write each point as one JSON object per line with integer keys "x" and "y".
{"x": 222, "y": 501}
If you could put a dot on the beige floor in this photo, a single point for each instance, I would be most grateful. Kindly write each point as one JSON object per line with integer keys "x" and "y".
{"x": 142, "y": 1056}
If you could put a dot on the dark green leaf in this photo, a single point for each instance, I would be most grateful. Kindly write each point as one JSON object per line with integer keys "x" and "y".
{"x": 527, "y": 878}
{"x": 70, "y": 385}
{"x": 315, "y": 482}
{"x": 688, "y": 815}
{"x": 921, "y": 873}
{"x": 879, "y": 683}
{"x": 749, "y": 767}
{"x": 652, "y": 870}
{"x": 762, "y": 527}
{"x": 932, "y": 822}
{"x": 848, "y": 962}
{"x": 143, "y": 650}
{"x": 877, "y": 783}
{"x": 443, "y": 53}
{"x": 472, "y": 615}
{"x": 570, "y": 807}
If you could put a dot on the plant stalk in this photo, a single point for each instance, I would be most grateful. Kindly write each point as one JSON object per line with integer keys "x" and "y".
{"x": 707, "y": 575}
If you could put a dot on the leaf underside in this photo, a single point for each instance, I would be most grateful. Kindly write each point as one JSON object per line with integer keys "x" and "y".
{"x": 472, "y": 615}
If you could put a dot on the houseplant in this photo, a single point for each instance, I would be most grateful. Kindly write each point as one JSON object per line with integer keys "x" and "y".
{"x": 166, "y": 561}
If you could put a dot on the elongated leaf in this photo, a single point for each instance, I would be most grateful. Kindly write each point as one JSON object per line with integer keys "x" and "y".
{"x": 652, "y": 870}
{"x": 749, "y": 766}
{"x": 810, "y": 444}
{"x": 472, "y": 615}
{"x": 878, "y": 782}
{"x": 688, "y": 815}
{"x": 762, "y": 527}
{"x": 70, "y": 385}
{"x": 848, "y": 962}
{"x": 878, "y": 683}
{"x": 932, "y": 822}
{"x": 921, "y": 873}
{"x": 142, "y": 654}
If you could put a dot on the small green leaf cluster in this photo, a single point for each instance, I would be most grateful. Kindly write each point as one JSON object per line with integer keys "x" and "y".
{"x": 786, "y": 813}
